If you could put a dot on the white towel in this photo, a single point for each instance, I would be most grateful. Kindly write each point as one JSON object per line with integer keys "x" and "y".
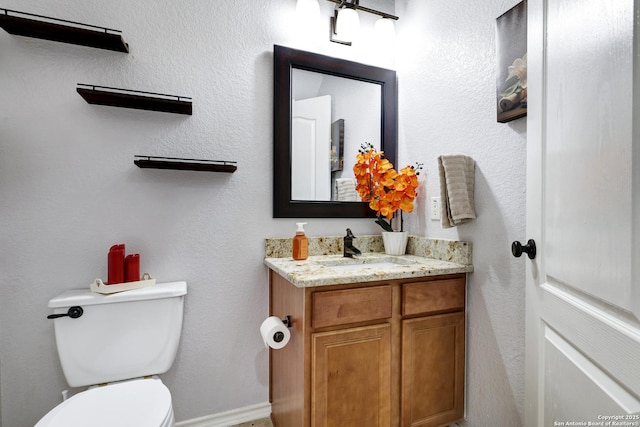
{"x": 457, "y": 176}
{"x": 346, "y": 190}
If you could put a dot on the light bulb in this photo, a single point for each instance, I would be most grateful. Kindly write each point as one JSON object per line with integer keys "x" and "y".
{"x": 385, "y": 29}
{"x": 348, "y": 25}
{"x": 307, "y": 9}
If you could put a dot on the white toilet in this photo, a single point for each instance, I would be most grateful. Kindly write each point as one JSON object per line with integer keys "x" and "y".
{"x": 116, "y": 347}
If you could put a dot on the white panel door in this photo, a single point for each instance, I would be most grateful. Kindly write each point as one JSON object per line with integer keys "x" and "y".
{"x": 311, "y": 149}
{"x": 583, "y": 211}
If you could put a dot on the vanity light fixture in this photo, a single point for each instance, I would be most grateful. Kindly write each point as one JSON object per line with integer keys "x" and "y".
{"x": 308, "y": 9}
{"x": 385, "y": 29}
{"x": 345, "y": 24}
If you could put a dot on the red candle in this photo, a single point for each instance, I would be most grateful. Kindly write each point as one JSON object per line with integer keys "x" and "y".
{"x": 116, "y": 264}
{"x": 132, "y": 268}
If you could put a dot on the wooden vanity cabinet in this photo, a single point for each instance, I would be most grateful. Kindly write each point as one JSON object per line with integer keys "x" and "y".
{"x": 380, "y": 354}
{"x": 433, "y": 355}
{"x": 351, "y": 377}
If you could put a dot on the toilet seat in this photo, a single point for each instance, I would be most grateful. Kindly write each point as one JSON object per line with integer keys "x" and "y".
{"x": 134, "y": 403}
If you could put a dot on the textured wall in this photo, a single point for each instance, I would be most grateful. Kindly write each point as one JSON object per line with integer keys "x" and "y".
{"x": 69, "y": 189}
{"x": 446, "y": 69}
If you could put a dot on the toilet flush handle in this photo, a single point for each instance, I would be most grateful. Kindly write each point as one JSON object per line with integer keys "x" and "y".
{"x": 73, "y": 312}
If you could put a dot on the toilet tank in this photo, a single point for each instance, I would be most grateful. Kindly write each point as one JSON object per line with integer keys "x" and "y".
{"x": 119, "y": 336}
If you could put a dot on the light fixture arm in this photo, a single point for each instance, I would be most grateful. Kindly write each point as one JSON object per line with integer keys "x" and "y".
{"x": 355, "y": 4}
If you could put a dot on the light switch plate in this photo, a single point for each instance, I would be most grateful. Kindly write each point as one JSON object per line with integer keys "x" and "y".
{"x": 436, "y": 209}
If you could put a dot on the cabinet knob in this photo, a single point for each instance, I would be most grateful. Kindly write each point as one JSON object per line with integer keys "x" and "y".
{"x": 517, "y": 249}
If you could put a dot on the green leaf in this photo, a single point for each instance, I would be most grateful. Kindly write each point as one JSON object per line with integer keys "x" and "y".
{"x": 384, "y": 224}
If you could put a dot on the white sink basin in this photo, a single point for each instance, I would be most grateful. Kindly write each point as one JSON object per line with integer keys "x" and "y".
{"x": 379, "y": 262}
{"x": 361, "y": 266}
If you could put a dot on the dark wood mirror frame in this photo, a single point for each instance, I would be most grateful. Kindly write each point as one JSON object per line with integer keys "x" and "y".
{"x": 285, "y": 60}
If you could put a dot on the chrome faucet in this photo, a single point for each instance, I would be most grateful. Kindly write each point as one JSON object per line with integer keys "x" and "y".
{"x": 349, "y": 250}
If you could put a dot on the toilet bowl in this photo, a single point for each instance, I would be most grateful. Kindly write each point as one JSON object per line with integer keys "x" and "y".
{"x": 122, "y": 340}
{"x": 134, "y": 403}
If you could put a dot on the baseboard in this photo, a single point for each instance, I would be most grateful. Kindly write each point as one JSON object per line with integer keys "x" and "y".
{"x": 230, "y": 418}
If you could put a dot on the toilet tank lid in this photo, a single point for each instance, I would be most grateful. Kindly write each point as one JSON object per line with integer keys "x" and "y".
{"x": 86, "y": 297}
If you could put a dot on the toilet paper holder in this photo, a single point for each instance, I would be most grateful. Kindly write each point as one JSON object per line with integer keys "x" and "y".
{"x": 279, "y": 336}
{"x": 287, "y": 321}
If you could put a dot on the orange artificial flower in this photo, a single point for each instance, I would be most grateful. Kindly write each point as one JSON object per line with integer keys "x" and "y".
{"x": 386, "y": 190}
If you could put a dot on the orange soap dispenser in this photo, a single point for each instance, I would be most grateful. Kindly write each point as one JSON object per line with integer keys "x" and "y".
{"x": 300, "y": 243}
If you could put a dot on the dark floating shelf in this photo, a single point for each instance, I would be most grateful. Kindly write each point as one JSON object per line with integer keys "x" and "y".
{"x": 60, "y": 30}
{"x": 185, "y": 164}
{"x": 115, "y": 97}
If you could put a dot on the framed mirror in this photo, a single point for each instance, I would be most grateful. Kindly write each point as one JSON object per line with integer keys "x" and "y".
{"x": 325, "y": 108}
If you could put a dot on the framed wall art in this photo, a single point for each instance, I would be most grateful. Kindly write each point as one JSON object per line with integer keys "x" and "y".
{"x": 511, "y": 75}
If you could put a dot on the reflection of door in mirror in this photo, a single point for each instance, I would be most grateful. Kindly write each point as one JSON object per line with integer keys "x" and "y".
{"x": 358, "y": 105}
{"x": 311, "y": 153}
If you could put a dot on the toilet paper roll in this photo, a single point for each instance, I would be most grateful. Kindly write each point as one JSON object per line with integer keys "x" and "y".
{"x": 275, "y": 333}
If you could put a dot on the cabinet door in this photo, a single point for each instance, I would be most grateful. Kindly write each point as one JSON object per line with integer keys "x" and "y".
{"x": 432, "y": 370}
{"x": 351, "y": 377}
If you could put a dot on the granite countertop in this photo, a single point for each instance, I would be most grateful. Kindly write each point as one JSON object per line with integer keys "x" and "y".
{"x": 327, "y": 266}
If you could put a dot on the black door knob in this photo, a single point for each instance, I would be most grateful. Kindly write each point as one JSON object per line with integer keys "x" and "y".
{"x": 517, "y": 249}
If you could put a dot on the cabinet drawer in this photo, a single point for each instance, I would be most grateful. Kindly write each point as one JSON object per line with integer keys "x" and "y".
{"x": 432, "y": 296}
{"x": 331, "y": 308}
